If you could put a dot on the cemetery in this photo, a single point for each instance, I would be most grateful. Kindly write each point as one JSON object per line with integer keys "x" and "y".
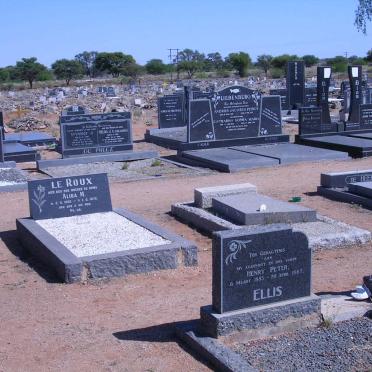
{"x": 196, "y": 213}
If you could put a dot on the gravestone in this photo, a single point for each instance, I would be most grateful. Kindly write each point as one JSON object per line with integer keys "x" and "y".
{"x": 171, "y": 111}
{"x": 283, "y": 97}
{"x": 110, "y": 92}
{"x": 310, "y": 120}
{"x": 2, "y": 158}
{"x": 323, "y": 82}
{"x": 69, "y": 196}
{"x": 295, "y": 83}
{"x": 365, "y": 116}
{"x": 2, "y": 125}
{"x": 200, "y": 126}
{"x": 96, "y": 134}
{"x": 310, "y": 97}
{"x": 355, "y": 78}
{"x": 342, "y": 179}
{"x": 74, "y": 110}
{"x": 270, "y": 116}
{"x": 258, "y": 267}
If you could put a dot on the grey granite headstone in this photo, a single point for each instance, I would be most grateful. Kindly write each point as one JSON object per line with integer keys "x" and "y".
{"x": 295, "y": 83}
{"x": 323, "y": 82}
{"x": 258, "y": 266}
{"x": 69, "y": 196}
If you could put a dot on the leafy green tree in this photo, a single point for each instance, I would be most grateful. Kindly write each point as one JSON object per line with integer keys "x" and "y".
{"x": 156, "y": 67}
{"x": 87, "y": 59}
{"x": 190, "y": 61}
{"x": 113, "y": 63}
{"x": 281, "y": 61}
{"x": 240, "y": 62}
{"x": 338, "y": 63}
{"x": 132, "y": 70}
{"x": 4, "y": 75}
{"x": 369, "y": 56}
{"x": 213, "y": 62}
{"x": 45, "y": 75}
{"x": 363, "y": 14}
{"x": 355, "y": 60}
{"x": 310, "y": 60}
{"x": 264, "y": 62}
{"x": 67, "y": 69}
{"x": 28, "y": 69}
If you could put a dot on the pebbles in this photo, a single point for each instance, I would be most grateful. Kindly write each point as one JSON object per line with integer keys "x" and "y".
{"x": 100, "y": 233}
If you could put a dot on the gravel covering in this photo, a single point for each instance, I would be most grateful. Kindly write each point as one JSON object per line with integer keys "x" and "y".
{"x": 345, "y": 346}
{"x": 99, "y": 233}
{"x": 11, "y": 176}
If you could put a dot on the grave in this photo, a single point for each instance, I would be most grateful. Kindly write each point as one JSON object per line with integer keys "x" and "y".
{"x": 311, "y": 121}
{"x": 74, "y": 110}
{"x": 295, "y": 78}
{"x": 349, "y": 187}
{"x": 96, "y": 138}
{"x": 74, "y": 231}
{"x": 261, "y": 286}
{"x": 283, "y": 97}
{"x": 171, "y": 111}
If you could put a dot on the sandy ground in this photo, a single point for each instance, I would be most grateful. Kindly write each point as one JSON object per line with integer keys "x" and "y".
{"x": 126, "y": 324}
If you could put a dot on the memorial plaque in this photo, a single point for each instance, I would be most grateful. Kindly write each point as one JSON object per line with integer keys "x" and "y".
{"x": 96, "y": 134}
{"x": 295, "y": 83}
{"x": 310, "y": 97}
{"x": 283, "y": 97}
{"x": 254, "y": 267}
{"x": 365, "y": 116}
{"x": 270, "y": 116}
{"x": 200, "y": 128}
{"x": 310, "y": 120}
{"x": 74, "y": 110}
{"x": 355, "y": 78}
{"x": 235, "y": 113}
{"x": 170, "y": 111}
{"x": 322, "y": 87}
{"x": 69, "y": 196}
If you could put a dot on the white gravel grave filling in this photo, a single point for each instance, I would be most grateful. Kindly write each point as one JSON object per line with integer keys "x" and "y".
{"x": 100, "y": 233}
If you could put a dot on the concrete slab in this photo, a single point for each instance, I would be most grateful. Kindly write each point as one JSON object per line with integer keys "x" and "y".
{"x": 17, "y": 152}
{"x": 31, "y": 138}
{"x": 203, "y": 196}
{"x": 245, "y": 210}
{"x": 361, "y": 188}
{"x": 288, "y": 153}
{"x": 367, "y": 135}
{"x": 342, "y": 179}
{"x": 227, "y": 160}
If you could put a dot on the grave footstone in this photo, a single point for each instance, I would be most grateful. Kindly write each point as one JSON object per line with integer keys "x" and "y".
{"x": 323, "y": 82}
{"x": 355, "y": 78}
{"x": 171, "y": 111}
{"x": 295, "y": 83}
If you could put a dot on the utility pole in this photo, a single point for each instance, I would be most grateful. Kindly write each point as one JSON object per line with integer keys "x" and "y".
{"x": 173, "y": 58}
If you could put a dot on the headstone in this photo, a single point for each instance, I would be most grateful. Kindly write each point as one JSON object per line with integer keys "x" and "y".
{"x": 2, "y": 125}
{"x": 365, "y": 116}
{"x": 342, "y": 179}
{"x": 2, "y": 159}
{"x": 110, "y": 92}
{"x": 310, "y": 120}
{"x": 295, "y": 83}
{"x": 200, "y": 126}
{"x": 323, "y": 82}
{"x": 310, "y": 97}
{"x": 355, "y": 78}
{"x": 96, "y": 134}
{"x": 270, "y": 116}
{"x": 69, "y": 196}
{"x": 171, "y": 111}
{"x": 74, "y": 110}
{"x": 283, "y": 97}
{"x": 258, "y": 267}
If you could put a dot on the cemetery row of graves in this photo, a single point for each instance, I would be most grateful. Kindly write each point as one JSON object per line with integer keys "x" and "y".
{"x": 261, "y": 246}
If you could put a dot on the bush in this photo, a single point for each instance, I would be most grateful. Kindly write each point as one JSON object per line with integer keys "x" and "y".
{"x": 276, "y": 73}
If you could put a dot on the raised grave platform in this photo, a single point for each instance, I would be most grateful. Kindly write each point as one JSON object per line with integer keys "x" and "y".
{"x": 31, "y": 139}
{"x": 14, "y": 151}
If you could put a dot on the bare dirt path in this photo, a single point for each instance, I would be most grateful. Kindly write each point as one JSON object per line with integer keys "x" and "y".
{"x": 126, "y": 324}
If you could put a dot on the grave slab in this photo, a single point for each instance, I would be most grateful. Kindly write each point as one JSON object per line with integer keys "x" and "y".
{"x": 226, "y": 160}
{"x": 245, "y": 210}
{"x": 31, "y": 139}
{"x": 342, "y": 179}
{"x": 287, "y": 153}
{"x": 17, "y": 152}
{"x": 366, "y": 135}
{"x": 203, "y": 196}
{"x": 361, "y": 188}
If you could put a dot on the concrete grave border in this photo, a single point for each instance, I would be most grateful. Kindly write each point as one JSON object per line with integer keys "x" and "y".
{"x": 70, "y": 268}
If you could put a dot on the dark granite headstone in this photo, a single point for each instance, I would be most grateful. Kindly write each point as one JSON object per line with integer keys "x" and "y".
{"x": 253, "y": 267}
{"x": 96, "y": 134}
{"x": 355, "y": 78}
{"x": 1, "y": 146}
{"x": 310, "y": 120}
{"x": 200, "y": 128}
{"x": 2, "y": 124}
{"x": 369, "y": 95}
{"x": 270, "y": 116}
{"x": 323, "y": 82}
{"x": 283, "y": 97}
{"x": 170, "y": 111}
{"x": 69, "y": 196}
{"x": 365, "y": 116}
{"x": 342, "y": 179}
{"x": 310, "y": 97}
{"x": 110, "y": 92}
{"x": 295, "y": 84}
{"x": 201, "y": 95}
{"x": 74, "y": 110}
{"x": 235, "y": 112}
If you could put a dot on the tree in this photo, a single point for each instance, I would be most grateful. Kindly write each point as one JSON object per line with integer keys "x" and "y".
{"x": 87, "y": 59}
{"x": 4, "y": 75}
{"x": 190, "y": 61}
{"x": 240, "y": 62}
{"x": 114, "y": 63}
{"x": 67, "y": 69}
{"x": 281, "y": 61}
{"x": 355, "y": 60}
{"x": 310, "y": 60}
{"x": 29, "y": 69}
{"x": 338, "y": 63}
{"x": 369, "y": 56}
{"x": 363, "y": 14}
{"x": 264, "y": 62}
{"x": 213, "y": 62}
{"x": 155, "y": 67}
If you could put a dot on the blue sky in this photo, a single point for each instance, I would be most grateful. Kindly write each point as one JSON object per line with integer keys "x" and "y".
{"x": 54, "y": 29}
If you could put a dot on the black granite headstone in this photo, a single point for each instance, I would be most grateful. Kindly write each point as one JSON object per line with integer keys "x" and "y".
{"x": 96, "y": 134}
{"x": 110, "y": 92}
{"x": 310, "y": 120}
{"x": 69, "y": 196}
{"x": 1, "y": 146}
{"x": 310, "y": 97}
{"x": 322, "y": 86}
{"x": 365, "y": 116}
{"x": 170, "y": 111}
{"x": 295, "y": 84}
{"x": 283, "y": 97}
{"x": 200, "y": 128}
{"x": 74, "y": 110}
{"x": 270, "y": 116}
{"x": 355, "y": 78}
{"x": 2, "y": 124}
{"x": 253, "y": 267}
{"x": 235, "y": 112}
